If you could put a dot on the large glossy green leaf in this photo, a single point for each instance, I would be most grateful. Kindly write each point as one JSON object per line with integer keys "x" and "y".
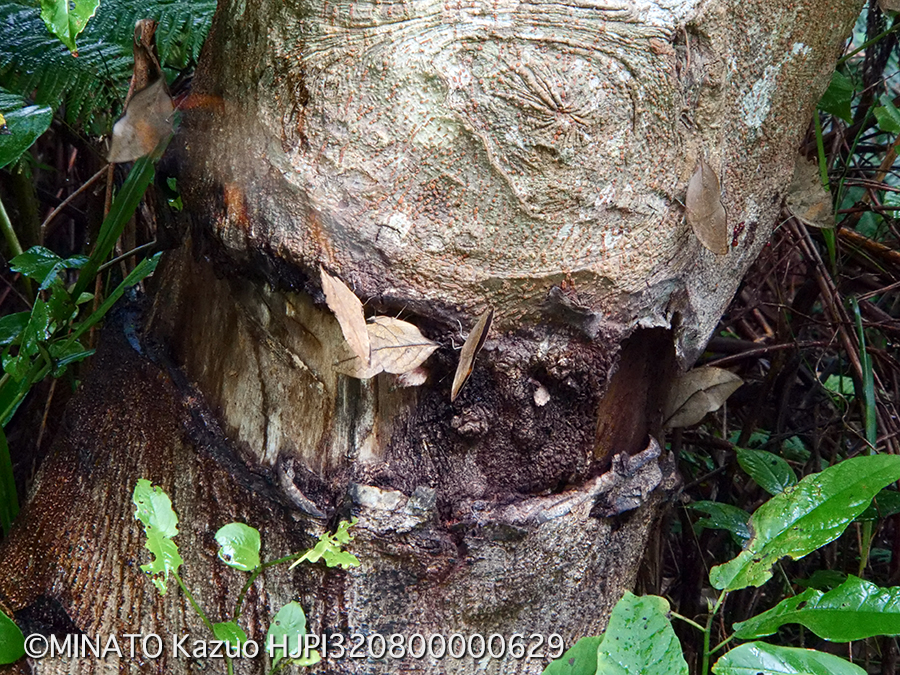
{"x": 154, "y": 510}
{"x": 580, "y": 659}
{"x": 771, "y": 472}
{"x": 12, "y": 642}
{"x": 855, "y": 610}
{"x": 805, "y": 517}
{"x": 67, "y": 18}
{"x": 239, "y": 546}
{"x": 25, "y": 125}
{"x": 759, "y": 658}
{"x": 640, "y": 639}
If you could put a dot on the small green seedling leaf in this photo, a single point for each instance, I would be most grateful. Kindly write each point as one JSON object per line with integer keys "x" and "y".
{"x": 288, "y": 627}
{"x": 640, "y": 639}
{"x": 840, "y": 386}
{"x": 724, "y": 517}
{"x": 67, "y": 18}
{"x": 239, "y": 546}
{"x": 771, "y": 472}
{"x": 24, "y": 125}
{"x": 229, "y": 632}
{"x": 12, "y": 642}
{"x": 154, "y": 510}
{"x": 759, "y": 658}
{"x": 329, "y": 548}
{"x": 805, "y": 517}
{"x": 855, "y": 610}
{"x": 837, "y": 98}
{"x": 580, "y": 659}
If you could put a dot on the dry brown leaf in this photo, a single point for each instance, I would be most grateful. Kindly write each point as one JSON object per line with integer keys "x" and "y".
{"x": 349, "y": 312}
{"x": 698, "y": 392}
{"x": 147, "y": 120}
{"x": 889, "y": 5}
{"x": 397, "y": 347}
{"x": 807, "y": 199}
{"x": 704, "y": 210}
{"x": 414, "y": 378}
{"x": 470, "y": 349}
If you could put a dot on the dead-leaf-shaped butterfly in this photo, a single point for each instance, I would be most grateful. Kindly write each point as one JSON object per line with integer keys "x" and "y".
{"x": 148, "y": 120}
{"x": 470, "y": 349}
{"x": 349, "y": 312}
{"x": 697, "y": 392}
{"x": 704, "y": 210}
{"x": 807, "y": 199}
{"x": 397, "y": 347}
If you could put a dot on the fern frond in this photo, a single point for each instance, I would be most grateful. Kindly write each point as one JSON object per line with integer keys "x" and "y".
{"x": 36, "y": 65}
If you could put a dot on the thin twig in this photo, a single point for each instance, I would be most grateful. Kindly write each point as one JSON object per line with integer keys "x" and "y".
{"x": 44, "y": 232}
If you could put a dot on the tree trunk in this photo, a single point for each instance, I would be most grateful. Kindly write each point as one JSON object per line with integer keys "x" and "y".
{"x": 441, "y": 159}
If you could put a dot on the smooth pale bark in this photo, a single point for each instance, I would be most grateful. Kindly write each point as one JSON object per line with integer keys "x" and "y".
{"x": 440, "y": 158}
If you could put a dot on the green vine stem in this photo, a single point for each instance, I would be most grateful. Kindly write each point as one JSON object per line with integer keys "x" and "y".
{"x": 254, "y": 575}
{"x": 15, "y": 248}
{"x": 708, "y": 630}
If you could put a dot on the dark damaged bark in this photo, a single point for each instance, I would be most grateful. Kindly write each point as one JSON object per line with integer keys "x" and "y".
{"x": 440, "y": 159}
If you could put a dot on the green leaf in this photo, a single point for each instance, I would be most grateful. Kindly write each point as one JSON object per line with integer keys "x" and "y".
{"x": 290, "y": 624}
{"x": 67, "y": 353}
{"x": 759, "y": 658}
{"x": 840, "y": 385}
{"x": 36, "y": 263}
{"x": 640, "y": 639}
{"x": 823, "y": 580}
{"x": 143, "y": 269}
{"x": 154, "y": 510}
{"x": 771, "y": 472}
{"x": 239, "y": 546}
{"x": 24, "y": 125}
{"x": 723, "y": 517}
{"x": 67, "y": 18}
{"x": 229, "y": 632}
{"x": 837, "y": 98}
{"x": 580, "y": 659}
{"x": 11, "y": 327}
{"x": 37, "y": 329}
{"x": 328, "y": 548}
{"x": 795, "y": 450}
{"x": 885, "y": 504}
{"x": 12, "y": 642}
{"x": 888, "y": 116}
{"x": 855, "y": 610}
{"x": 123, "y": 207}
{"x": 805, "y": 517}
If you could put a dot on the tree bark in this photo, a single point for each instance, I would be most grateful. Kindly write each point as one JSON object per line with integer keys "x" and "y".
{"x": 441, "y": 159}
